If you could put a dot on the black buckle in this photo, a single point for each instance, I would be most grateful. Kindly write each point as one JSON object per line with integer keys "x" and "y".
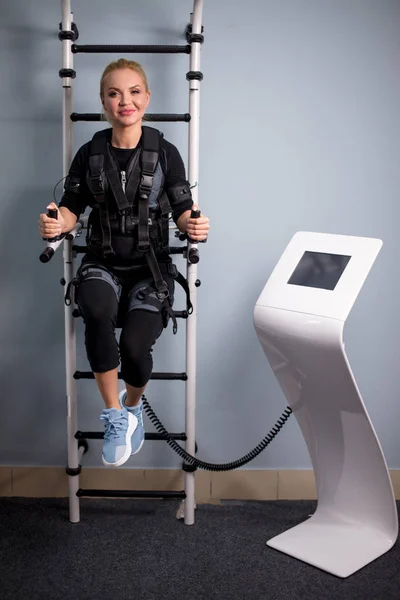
{"x": 163, "y": 295}
{"x": 146, "y": 184}
{"x": 143, "y": 246}
{"x": 67, "y": 298}
{"x": 143, "y": 293}
{"x": 147, "y": 180}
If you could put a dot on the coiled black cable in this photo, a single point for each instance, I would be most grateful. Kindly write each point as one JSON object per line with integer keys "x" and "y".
{"x": 193, "y": 461}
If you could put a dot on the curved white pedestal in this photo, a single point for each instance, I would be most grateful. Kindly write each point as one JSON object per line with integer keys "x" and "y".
{"x": 356, "y": 517}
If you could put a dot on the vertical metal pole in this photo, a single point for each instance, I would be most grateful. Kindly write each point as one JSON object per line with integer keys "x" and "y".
{"x": 193, "y": 174}
{"x": 70, "y": 335}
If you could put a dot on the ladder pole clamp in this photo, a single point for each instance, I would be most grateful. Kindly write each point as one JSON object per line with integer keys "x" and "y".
{"x": 195, "y": 37}
{"x": 73, "y": 472}
{"x": 67, "y": 73}
{"x": 72, "y": 34}
{"x": 194, "y": 75}
{"x": 189, "y": 34}
{"x": 188, "y": 468}
{"x": 66, "y": 35}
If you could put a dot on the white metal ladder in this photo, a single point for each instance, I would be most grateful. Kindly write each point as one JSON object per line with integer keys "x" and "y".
{"x": 68, "y": 36}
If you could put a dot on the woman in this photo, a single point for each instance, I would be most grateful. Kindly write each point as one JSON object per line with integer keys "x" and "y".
{"x": 127, "y": 263}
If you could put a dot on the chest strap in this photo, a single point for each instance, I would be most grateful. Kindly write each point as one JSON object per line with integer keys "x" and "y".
{"x": 149, "y": 160}
{"x": 96, "y": 175}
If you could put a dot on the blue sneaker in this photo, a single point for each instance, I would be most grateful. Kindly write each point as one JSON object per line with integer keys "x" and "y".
{"x": 136, "y": 411}
{"x": 119, "y": 426}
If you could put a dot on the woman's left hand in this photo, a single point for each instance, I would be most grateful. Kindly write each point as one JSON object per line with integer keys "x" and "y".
{"x": 197, "y": 229}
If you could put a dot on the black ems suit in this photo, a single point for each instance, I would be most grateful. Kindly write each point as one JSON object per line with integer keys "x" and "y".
{"x": 127, "y": 275}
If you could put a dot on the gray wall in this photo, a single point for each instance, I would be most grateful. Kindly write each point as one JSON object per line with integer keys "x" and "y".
{"x": 300, "y": 130}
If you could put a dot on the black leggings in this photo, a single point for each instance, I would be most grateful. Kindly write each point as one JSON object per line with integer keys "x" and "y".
{"x": 140, "y": 330}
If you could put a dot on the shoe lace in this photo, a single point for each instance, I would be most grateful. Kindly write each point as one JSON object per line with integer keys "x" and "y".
{"x": 113, "y": 427}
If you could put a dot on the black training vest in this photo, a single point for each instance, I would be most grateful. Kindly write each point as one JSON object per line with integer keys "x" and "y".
{"x": 130, "y": 209}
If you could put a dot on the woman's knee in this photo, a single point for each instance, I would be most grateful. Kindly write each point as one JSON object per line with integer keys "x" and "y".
{"x": 97, "y": 302}
{"x": 137, "y": 339}
{"x": 133, "y": 352}
{"x": 136, "y": 364}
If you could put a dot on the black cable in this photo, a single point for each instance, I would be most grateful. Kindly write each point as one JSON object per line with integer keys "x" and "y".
{"x": 191, "y": 460}
{"x": 55, "y": 187}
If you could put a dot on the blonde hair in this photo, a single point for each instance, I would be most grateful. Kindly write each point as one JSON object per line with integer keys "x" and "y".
{"x": 123, "y": 63}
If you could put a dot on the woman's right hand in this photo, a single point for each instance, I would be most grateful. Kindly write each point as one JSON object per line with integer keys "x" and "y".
{"x": 48, "y": 227}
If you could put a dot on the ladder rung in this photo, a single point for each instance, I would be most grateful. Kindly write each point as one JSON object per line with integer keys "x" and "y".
{"x": 155, "y": 376}
{"x": 155, "y": 117}
{"x": 177, "y": 249}
{"x": 99, "y": 435}
{"x": 181, "y": 314}
{"x": 178, "y": 314}
{"x": 130, "y": 494}
{"x": 100, "y": 48}
{"x": 173, "y": 249}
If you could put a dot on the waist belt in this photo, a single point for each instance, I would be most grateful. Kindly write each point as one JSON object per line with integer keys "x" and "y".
{"x": 126, "y": 223}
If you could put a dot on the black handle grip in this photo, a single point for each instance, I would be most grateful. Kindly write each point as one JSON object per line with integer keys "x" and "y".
{"x": 53, "y": 214}
{"x": 48, "y": 252}
{"x": 193, "y": 255}
{"x": 195, "y": 214}
{"x": 46, "y": 255}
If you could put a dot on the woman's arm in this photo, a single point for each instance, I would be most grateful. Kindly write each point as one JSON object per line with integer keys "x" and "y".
{"x": 70, "y": 219}
{"x": 182, "y": 222}
{"x": 180, "y": 197}
{"x": 76, "y": 195}
{"x": 197, "y": 228}
{"x": 176, "y": 185}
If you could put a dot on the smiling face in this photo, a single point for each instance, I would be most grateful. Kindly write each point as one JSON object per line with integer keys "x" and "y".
{"x": 125, "y": 97}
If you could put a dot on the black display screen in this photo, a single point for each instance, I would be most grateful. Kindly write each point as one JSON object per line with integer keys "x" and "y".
{"x": 319, "y": 270}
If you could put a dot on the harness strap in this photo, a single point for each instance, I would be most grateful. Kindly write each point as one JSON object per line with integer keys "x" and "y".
{"x": 171, "y": 314}
{"x": 159, "y": 283}
{"x": 105, "y": 230}
{"x": 133, "y": 174}
{"x": 165, "y": 209}
{"x": 149, "y": 159}
{"x": 183, "y": 282}
{"x": 67, "y": 298}
{"x": 172, "y": 269}
{"x": 96, "y": 169}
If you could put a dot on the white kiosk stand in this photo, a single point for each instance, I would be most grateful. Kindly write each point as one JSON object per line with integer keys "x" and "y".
{"x": 299, "y": 319}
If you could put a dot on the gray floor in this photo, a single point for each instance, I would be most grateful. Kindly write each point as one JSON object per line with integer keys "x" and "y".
{"x": 134, "y": 549}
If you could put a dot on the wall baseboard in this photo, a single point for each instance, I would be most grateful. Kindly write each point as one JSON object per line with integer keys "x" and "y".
{"x": 211, "y": 487}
